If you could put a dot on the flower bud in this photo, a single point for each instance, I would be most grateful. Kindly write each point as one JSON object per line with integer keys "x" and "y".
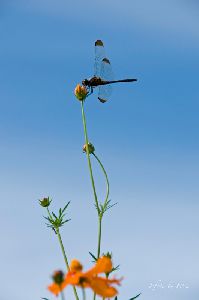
{"x": 80, "y": 92}
{"x": 91, "y": 148}
{"x": 45, "y": 202}
{"x": 75, "y": 266}
{"x": 58, "y": 277}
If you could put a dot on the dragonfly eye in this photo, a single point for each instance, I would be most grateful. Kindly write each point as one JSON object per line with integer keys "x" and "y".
{"x": 85, "y": 82}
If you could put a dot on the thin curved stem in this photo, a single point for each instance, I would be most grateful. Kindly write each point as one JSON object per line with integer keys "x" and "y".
{"x": 106, "y": 176}
{"x": 101, "y": 216}
{"x": 88, "y": 157}
{"x": 105, "y": 202}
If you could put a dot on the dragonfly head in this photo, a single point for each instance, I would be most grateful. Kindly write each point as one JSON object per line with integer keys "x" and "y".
{"x": 85, "y": 82}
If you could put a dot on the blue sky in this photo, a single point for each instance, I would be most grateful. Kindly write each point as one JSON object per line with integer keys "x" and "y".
{"x": 146, "y": 135}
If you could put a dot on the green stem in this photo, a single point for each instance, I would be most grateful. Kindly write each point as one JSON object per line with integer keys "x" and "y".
{"x": 105, "y": 202}
{"x": 99, "y": 236}
{"x": 93, "y": 183}
{"x": 50, "y": 216}
{"x": 106, "y": 176}
{"x": 63, "y": 251}
{"x": 62, "y": 295}
{"x": 88, "y": 158}
{"x": 83, "y": 294}
{"x": 99, "y": 241}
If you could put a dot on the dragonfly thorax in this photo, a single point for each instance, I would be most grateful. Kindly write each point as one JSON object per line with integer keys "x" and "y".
{"x": 92, "y": 82}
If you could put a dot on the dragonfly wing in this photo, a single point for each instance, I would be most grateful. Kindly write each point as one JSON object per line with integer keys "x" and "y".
{"x": 105, "y": 74}
{"x": 102, "y": 69}
{"x": 99, "y": 55}
{"x": 104, "y": 92}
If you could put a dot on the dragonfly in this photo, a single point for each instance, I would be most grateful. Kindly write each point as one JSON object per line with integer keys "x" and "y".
{"x": 103, "y": 75}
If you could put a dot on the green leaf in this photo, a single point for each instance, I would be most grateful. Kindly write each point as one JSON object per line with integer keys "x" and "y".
{"x": 115, "y": 269}
{"x": 44, "y": 298}
{"x": 54, "y": 215}
{"x": 66, "y": 221}
{"x": 110, "y": 206}
{"x": 93, "y": 256}
{"x": 65, "y": 207}
{"x": 135, "y": 297}
{"x": 115, "y": 298}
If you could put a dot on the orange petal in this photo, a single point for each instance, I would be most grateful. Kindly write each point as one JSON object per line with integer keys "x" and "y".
{"x": 73, "y": 278}
{"x": 75, "y": 266}
{"x": 102, "y": 287}
{"x": 56, "y": 289}
{"x": 103, "y": 265}
{"x": 78, "y": 279}
{"x": 78, "y": 88}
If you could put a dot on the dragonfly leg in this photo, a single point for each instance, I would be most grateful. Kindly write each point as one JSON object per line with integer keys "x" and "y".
{"x": 90, "y": 91}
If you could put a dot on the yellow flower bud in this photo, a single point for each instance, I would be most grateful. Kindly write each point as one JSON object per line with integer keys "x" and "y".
{"x": 75, "y": 266}
{"x": 80, "y": 92}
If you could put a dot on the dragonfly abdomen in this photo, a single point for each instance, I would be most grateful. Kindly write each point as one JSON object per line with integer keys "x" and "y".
{"x": 103, "y": 82}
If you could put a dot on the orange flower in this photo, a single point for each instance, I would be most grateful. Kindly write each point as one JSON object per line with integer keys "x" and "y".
{"x": 58, "y": 283}
{"x": 100, "y": 285}
{"x": 80, "y": 92}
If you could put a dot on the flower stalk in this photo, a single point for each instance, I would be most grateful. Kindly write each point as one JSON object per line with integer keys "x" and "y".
{"x": 62, "y": 295}
{"x": 63, "y": 253}
{"x": 100, "y": 208}
{"x": 83, "y": 294}
{"x": 88, "y": 157}
{"x": 106, "y": 176}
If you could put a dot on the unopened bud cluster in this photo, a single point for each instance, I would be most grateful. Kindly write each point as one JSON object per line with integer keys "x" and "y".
{"x": 80, "y": 92}
{"x": 45, "y": 202}
{"x": 91, "y": 148}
